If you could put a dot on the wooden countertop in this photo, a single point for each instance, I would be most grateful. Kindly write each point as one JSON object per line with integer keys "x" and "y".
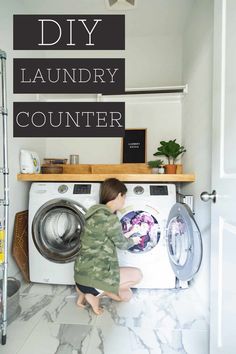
{"x": 94, "y": 177}
{"x": 126, "y": 172}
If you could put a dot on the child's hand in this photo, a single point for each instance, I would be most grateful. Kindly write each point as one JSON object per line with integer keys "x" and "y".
{"x": 134, "y": 229}
{"x": 128, "y": 234}
{"x": 137, "y": 239}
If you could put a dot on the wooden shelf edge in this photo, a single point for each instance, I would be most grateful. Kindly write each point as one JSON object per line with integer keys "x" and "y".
{"x": 101, "y": 177}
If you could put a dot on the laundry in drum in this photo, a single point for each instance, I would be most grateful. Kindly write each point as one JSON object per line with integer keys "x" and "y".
{"x": 143, "y": 224}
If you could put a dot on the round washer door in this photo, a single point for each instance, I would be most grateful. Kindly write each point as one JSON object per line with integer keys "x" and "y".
{"x": 56, "y": 229}
{"x": 184, "y": 242}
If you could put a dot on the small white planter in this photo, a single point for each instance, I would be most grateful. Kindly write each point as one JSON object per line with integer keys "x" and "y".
{"x": 161, "y": 170}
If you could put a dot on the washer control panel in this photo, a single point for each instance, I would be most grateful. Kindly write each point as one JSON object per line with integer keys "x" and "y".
{"x": 82, "y": 189}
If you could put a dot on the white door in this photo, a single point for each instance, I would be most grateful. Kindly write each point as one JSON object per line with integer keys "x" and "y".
{"x": 223, "y": 239}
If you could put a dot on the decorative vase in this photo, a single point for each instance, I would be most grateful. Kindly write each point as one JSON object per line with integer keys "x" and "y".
{"x": 170, "y": 169}
{"x": 155, "y": 170}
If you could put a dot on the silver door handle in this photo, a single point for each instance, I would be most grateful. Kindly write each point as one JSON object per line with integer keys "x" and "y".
{"x": 205, "y": 196}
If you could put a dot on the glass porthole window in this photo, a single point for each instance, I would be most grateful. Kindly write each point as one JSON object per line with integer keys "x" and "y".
{"x": 56, "y": 230}
{"x": 143, "y": 224}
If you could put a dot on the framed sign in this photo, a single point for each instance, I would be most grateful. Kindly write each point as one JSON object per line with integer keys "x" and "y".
{"x": 134, "y": 146}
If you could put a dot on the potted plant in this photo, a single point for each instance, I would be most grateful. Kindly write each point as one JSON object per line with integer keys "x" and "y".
{"x": 171, "y": 150}
{"x": 155, "y": 165}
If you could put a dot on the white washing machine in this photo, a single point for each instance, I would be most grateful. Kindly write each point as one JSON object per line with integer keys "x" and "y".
{"x": 170, "y": 250}
{"x": 56, "y": 220}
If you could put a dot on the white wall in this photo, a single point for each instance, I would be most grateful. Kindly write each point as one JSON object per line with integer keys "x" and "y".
{"x": 196, "y": 132}
{"x": 18, "y": 190}
{"x": 153, "y": 46}
{"x": 154, "y": 60}
{"x": 151, "y": 60}
{"x": 140, "y": 113}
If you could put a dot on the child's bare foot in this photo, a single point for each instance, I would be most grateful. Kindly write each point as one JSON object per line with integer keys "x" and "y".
{"x": 81, "y": 299}
{"x": 112, "y": 296}
{"x": 125, "y": 294}
{"x": 94, "y": 302}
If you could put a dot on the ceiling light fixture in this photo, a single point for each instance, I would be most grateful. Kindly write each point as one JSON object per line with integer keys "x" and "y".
{"x": 120, "y": 4}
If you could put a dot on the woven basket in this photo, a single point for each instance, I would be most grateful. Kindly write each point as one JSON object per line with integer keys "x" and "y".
{"x": 51, "y": 169}
{"x": 20, "y": 243}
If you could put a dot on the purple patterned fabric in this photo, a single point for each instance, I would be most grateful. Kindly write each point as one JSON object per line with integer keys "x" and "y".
{"x": 141, "y": 223}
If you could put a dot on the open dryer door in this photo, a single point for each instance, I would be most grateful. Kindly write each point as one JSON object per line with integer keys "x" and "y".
{"x": 184, "y": 242}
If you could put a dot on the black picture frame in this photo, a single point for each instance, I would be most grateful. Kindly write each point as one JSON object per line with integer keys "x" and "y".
{"x": 134, "y": 146}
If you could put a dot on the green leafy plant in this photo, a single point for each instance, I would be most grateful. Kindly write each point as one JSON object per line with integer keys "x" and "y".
{"x": 155, "y": 163}
{"x": 171, "y": 150}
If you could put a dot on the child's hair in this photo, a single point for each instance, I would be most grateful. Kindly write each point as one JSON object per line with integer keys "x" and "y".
{"x": 110, "y": 189}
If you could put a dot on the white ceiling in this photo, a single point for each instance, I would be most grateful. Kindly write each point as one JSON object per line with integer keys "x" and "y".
{"x": 162, "y": 17}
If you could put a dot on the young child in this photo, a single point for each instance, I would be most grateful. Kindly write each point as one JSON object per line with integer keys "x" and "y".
{"x": 96, "y": 266}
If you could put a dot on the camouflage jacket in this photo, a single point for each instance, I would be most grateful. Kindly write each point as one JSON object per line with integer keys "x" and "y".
{"x": 97, "y": 263}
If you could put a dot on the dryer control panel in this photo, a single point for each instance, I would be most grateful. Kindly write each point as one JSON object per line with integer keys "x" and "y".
{"x": 158, "y": 190}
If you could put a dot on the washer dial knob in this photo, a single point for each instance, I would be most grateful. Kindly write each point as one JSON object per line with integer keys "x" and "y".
{"x": 63, "y": 188}
{"x": 138, "y": 190}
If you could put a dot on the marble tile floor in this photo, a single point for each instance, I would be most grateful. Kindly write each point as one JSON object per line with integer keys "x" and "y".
{"x": 153, "y": 322}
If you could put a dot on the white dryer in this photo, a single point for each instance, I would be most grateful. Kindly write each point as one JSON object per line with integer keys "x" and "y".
{"x": 56, "y": 220}
{"x": 170, "y": 250}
